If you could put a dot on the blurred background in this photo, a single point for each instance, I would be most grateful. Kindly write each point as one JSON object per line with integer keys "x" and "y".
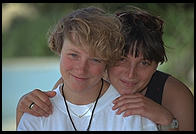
{"x": 27, "y": 62}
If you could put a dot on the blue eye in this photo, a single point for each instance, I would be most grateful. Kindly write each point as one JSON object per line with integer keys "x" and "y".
{"x": 96, "y": 60}
{"x": 73, "y": 55}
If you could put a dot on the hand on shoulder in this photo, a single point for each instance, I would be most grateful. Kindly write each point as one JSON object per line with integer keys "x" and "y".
{"x": 41, "y": 104}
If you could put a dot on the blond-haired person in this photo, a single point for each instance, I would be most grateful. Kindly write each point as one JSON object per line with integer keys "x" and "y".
{"x": 88, "y": 41}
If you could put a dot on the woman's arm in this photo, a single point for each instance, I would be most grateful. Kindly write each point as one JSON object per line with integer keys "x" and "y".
{"x": 42, "y": 106}
{"x": 138, "y": 104}
{"x": 177, "y": 102}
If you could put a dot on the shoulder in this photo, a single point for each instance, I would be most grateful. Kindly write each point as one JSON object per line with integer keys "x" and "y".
{"x": 29, "y": 122}
{"x": 179, "y": 100}
{"x": 174, "y": 87}
{"x": 105, "y": 101}
{"x": 176, "y": 95}
{"x": 58, "y": 95}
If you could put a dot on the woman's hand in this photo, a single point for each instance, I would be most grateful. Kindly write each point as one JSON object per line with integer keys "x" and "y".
{"x": 42, "y": 105}
{"x": 138, "y": 104}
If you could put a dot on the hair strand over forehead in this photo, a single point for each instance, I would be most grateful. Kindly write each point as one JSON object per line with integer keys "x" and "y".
{"x": 93, "y": 29}
{"x": 143, "y": 34}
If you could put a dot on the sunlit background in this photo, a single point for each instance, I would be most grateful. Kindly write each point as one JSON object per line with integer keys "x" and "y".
{"x": 27, "y": 62}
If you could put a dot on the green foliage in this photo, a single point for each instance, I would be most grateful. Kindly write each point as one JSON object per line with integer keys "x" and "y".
{"x": 28, "y": 37}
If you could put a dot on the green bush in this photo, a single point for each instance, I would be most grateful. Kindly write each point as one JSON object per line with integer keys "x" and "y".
{"x": 28, "y": 37}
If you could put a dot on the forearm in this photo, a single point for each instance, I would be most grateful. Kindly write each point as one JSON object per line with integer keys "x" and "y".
{"x": 178, "y": 99}
{"x": 18, "y": 113}
{"x": 18, "y": 117}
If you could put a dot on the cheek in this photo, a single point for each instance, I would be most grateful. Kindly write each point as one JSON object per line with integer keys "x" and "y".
{"x": 114, "y": 73}
{"x": 145, "y": 76}
{"x": 65, "y": 64}
{"x": 97, "y": 70}
{"x": 117, "y": 70}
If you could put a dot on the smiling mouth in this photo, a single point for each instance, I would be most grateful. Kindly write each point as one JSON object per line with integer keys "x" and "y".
{"x": 128, "y": 83}
{"x": 79, "y": 78}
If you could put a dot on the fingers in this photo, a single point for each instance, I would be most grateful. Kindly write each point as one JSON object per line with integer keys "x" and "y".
{"x": 42, "y": 106}
{"x": 37, "y": 111}
{"x": 128, "y": 103}
{"x": 140, "y": 105}
{"x": 129, "y": 107}
{"x": 42, "y": 102}
{"x": 125, "y": 99}
{"x": 133, "y": 111}
{"x": 126, "y": 96}
{"x": 42, "y": 96}
{"x": 50, "y": 93}
{"x": 24, "y": 107}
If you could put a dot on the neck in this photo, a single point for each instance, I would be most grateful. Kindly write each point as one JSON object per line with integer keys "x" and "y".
{"x": 85, "y": 96}
{"x": 143, "y": 91}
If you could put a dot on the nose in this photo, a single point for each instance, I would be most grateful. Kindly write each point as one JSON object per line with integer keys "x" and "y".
{"x": 82, "y": 66}
{"x": 131, "y": 72}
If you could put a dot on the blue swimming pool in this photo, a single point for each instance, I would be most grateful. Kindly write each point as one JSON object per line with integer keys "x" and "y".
{"x": 21, "y": 77}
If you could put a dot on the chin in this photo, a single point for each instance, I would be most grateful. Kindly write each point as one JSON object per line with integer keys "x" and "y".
{"x": 125, "y": 91}
{"x": 76, "y": 87}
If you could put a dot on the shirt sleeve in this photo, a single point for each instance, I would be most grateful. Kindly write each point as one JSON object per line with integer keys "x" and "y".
{"x": 148, "y": 125}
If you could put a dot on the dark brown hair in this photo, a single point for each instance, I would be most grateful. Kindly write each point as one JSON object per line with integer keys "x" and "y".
{"x": 143, "y": 34}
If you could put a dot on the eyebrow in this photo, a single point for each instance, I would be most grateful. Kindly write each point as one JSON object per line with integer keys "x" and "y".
{"x": 73, "y": 50}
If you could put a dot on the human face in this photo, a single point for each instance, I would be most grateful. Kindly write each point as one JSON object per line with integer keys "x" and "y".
{"x": 131, "y": 74}
{"x": 79, "y": 70}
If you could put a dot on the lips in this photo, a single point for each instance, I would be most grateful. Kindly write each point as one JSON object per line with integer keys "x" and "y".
{"x": 79, "y": 78}
{"x": 128, "y": 84}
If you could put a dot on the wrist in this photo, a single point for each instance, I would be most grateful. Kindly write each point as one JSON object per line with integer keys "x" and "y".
{"x": 171, "y": 126}
{"x": 166, "y": 119}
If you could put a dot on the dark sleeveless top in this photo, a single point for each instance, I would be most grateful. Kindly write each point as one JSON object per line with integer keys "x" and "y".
{"x": 156, "y": 85}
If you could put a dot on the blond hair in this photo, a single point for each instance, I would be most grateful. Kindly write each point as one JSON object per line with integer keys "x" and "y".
{"x": 93, "y": 29}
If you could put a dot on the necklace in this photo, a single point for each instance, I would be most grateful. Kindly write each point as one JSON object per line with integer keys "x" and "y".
{"x": 80, "y": 116}
{"x": 88, "y": 110}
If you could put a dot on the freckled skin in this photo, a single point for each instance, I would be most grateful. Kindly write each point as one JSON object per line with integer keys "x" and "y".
{"x": 78, "y": 69}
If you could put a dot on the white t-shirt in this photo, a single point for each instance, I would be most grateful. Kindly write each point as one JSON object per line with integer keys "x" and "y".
{"x": 104, "y": 117}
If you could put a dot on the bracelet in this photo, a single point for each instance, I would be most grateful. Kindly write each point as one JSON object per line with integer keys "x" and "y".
{"x": 172, "y": 125}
